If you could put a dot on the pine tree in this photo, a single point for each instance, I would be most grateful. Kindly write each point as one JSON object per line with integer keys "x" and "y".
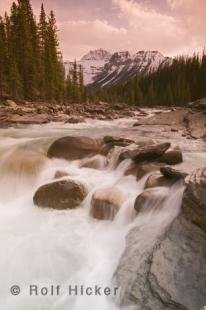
{"x": 3, "y": 58}
{"x": 42, "y": 33}
{"x": 81, "y": 84}
{"x": 25, "y": 44}
{"x": 75, "y": 93}
{"x": 54, "y": 77}
{"x": 14, "y": 80}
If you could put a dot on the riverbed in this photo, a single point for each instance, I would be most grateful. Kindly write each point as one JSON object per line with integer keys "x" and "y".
{"x": 47, "y": 249}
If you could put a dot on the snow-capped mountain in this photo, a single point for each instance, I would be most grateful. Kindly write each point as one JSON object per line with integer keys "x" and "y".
{"x": 123, "y": 65}
{"x": 104, "y": 69}
{"x": 92, "y": 63}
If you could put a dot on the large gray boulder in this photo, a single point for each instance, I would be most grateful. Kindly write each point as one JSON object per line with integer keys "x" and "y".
{"x": 168, "y": 270}
{"x": 194, "y": 203}
{"x": 72, "y": 148}
{"x": 60, "y": 195}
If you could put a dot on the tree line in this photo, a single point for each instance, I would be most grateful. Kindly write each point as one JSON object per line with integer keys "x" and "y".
{"x": 181, "y": 81}
{"x": 31, "y": 65}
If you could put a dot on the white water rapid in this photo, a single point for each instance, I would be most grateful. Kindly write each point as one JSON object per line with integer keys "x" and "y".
{"x": 47, "y": 248}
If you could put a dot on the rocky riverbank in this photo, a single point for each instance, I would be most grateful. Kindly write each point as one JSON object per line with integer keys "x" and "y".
{"x": 12, "y": 113}
{"x": 191, "y": 121}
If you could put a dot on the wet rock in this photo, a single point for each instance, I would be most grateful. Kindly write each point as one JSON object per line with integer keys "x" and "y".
{"x": 171, "y": 173}
{"x": 194, "y": 200}
{"x": 172, "y": 157}
{"x": 105, "y": 203}
{"x": 170, "y": 272}
{"x": 60, "y": 174}
{"x": 95, "y": 162}
{"x": 11, "y": 104}
{"x": 29, "y": 119}
{"x": 72, "y": 148}
{"x": 119, "y": 141}
{"x": 156, "y": 180}
{"x": 144, "y": 168}
{"x": 150, "y": 200}
{"x": 199, "y": 105}
{"x": 147, "y": 153}
{"x": 137, "y": 124}
{"x": 197, "y": 125}
{"x": 75, "y": 120}
{"x": 174, "y": 130}
{"x": 60, "y": 195}
{"x": 111, "y": 141}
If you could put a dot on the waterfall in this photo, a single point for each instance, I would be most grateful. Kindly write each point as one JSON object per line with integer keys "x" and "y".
{"x": 48, "y": 248}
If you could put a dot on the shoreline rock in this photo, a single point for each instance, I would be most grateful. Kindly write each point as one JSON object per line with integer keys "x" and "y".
{"x": 74, "y": 147}
{"x": 169, "y": 273}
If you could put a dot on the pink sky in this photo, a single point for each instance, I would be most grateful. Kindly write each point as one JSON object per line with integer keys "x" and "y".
{"x": 170, "y": 26}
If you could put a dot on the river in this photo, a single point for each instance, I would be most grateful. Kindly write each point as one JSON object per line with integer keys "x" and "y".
{"x": 45, "y": 248}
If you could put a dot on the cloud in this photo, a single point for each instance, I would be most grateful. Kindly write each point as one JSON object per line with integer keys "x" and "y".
{"x": 171, "y": 33}
{"x": 192, "y": 14}
{"x": 170, "y": 26}
{"x": 78, "y": 37}
{"x": 149, "y": 29}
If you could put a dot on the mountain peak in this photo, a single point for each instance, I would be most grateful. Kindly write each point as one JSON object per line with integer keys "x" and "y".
{"x": 101, "y": 68}
{"x": 98, "y": 54}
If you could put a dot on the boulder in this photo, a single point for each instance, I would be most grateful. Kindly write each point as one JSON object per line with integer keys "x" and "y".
{"x": 74, "y": 147}
{"x": 150, "y": 200}
{"x": 11, "y": 104}
{"x": 172, "y": 157}
{"x": 60, "y": 195}
{"x": 105, "y": 203}
{"x": 199, "y": 105}
{"x": 147, "y": 153}
{"x": 171, "y": 173}
{"x": 165, "y": 269}
{"x": 60, "y": 174}
{"x": 75, "y": 120}
{"x": 196, "y": 125}
{"x": 29, "y": 119}
{"x": 95, "y": 162}
{"x": 156, "y": 180}
{"x": 144, "y": 168}
{"x": 111, "y": 141}
{"x": 119, "y": 141}
{"x": 194, "y": 200}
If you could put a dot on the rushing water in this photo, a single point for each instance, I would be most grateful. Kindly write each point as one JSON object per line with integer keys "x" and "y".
{"x": 48, "y": 248}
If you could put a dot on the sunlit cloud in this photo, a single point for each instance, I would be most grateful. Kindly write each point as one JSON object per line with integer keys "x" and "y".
{"x": 170, "y": 26}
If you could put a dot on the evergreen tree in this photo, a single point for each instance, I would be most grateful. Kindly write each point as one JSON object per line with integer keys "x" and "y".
{"x": 81, "y": 84}
{"x": 173, "y": 84}
{"x": 3, "y": 59}
{"x": 42, "y": 33}
{"x": 25, "y": 46}
{"x": 54, "y": 76}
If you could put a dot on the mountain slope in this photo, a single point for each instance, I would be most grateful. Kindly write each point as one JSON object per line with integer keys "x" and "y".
{"x": 92, "y": 63}
{"x": 104, "y": 69}
{"x": 122, "y": 66}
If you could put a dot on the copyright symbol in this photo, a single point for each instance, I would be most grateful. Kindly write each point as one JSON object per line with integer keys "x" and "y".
{"x": 15, "y": 290}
